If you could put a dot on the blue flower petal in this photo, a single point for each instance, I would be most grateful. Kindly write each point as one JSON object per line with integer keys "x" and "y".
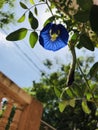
{"x": 64, "y": 34}
{"x": 46, "y": 28}
{"x": 54, "y": 45}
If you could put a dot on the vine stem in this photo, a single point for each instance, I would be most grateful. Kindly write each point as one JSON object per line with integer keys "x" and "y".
{"x": 86, "y": 81}
{"x": 50, "y": 9}
{"x": 33, "y": 7}
{"x": 39, "y": 5}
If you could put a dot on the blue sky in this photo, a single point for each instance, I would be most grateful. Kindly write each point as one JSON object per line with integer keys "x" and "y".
{"x": 21, "y": 63}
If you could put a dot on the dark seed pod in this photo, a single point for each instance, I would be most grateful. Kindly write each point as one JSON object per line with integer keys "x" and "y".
{"x": 70, "y": 78}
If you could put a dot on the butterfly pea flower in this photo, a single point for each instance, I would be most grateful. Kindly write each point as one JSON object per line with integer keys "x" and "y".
{"x": 53, "y": 37}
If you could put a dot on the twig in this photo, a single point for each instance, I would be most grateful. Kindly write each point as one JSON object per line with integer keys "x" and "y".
{"x": 48, "y": 125}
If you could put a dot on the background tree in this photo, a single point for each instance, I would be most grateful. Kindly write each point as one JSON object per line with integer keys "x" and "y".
{"x": 6, "y": 12}
{"x": 67, "y": 108}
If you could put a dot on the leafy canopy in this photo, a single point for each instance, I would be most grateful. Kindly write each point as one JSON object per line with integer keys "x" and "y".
{"x": 67, "y": 108}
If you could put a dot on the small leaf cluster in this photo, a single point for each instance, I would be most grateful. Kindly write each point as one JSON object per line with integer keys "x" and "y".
{"x": 21, "y": 33}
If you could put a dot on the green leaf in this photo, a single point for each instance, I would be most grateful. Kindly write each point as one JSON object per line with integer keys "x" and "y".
{"x": 74, "y": 37}
{"x": 33, "y": 21}
{"x": 70, "y": 93}
{"x": 94, "y": 70}
{"x": 33, "y": 39}
{"x": 35, "y": 11}
{"x": 17, "y": 35}
{"x": 89, "y": 96}
{"x": 72, "y": 102}
{"x": 78, "y": 90}
{"x": 23, "y": 5}
{"x": 86, "y": 42}
{"x": 51, "y": 19}
{"x": 57, "y": 92}
{"x": 22, "y": 18}
{"x": 85, "y": 107}
{"x": 65, "y": 103}
{"x": 62, "y": 105}
{"x": 96, "y": 113}
{"x": 32, "y": 2}
{"x": 82, "y": 16}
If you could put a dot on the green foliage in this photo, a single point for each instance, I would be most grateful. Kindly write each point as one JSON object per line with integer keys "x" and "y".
{"x": 94, "y": 71}
{"x": 76, "y": 17}
{"x": 21, "y": 19}
{"x": 62, "y": 105}
{"x": 17, "y": 35}
{"x": 72, "y": 107}
{"x": 57, "y": 92}
{"x": 65, "y": 103}
{"x": 23, "y": 5}
{"x": 51, "y": 19}
{"x": 21, "y": 33}
{"x": 9, "y": 2}
{"x": 85, "y": 107}
{"x": 33, "y": 21}
{"x": 82, "y": 16}
{"x": 33, "y": 38}
{"x": 86, "y": 42}
{"x": 6, "y": 16}
{"x": 35, "y": 10}
{"x": 94, "y": 18}
{"x": 10, "y": 118}
{"x": 4, "y": 104}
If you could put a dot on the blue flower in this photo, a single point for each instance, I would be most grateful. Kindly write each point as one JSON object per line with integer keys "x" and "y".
{"x": 53, "y": 37}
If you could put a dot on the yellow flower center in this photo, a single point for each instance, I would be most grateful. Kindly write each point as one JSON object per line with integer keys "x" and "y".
{"x": 54, "y": 35}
